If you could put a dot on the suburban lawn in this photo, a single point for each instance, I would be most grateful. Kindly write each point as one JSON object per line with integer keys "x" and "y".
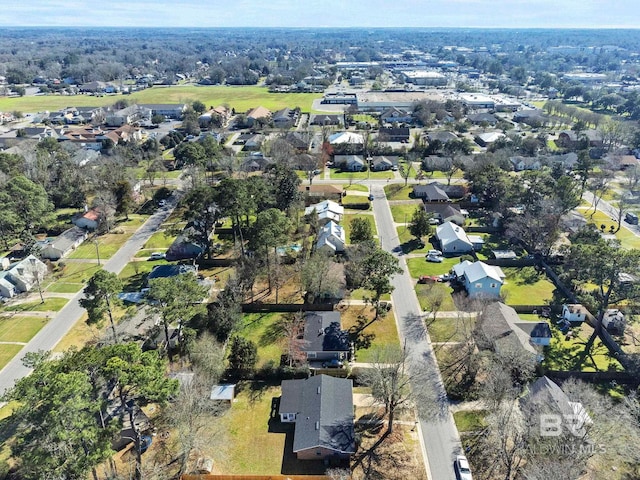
{"x": 49, "y": 305}
{"x": 367, "y": 336}
{"x": 419, "y": 266}
{"x": 422, "y": 292}
{"x": 403, "y": 212}
{"x": 242, "y": 98}
{"x": 409, "y": 243}
{"x": 264, "y": 331}
{"x": 450, "y": 329}
{"x": 396, "y": 191}
{"x": 525, "y": 286}
{"x": 110, "y": 243}
{"x": 356, "y": 187}
{"x": 18, "y": 328}
{"x": 470, "y": 420}
{"x": 134, "y": 274}
{"x": 348, "y": 217}
{"x": 72, "y": 277}
{"x": 339, "y": 175}
{"x": 7, "y": 352}
{"x": 627, "y": 238}
{"x": 159, "y": 240}
{"x": 355, "y": 200}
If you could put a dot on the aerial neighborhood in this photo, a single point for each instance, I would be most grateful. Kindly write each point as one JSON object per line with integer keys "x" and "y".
{"x": 320, "y": 255}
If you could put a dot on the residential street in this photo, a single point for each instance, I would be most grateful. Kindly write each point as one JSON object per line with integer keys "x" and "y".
{"x": 65, "y": 319}
{"x": 441, "y": 439}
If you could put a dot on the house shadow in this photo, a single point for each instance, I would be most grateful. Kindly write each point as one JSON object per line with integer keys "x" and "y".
{"x": 290, "y": 463}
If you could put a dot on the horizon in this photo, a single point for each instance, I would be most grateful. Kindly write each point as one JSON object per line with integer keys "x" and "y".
{"x": 324, "y": 14}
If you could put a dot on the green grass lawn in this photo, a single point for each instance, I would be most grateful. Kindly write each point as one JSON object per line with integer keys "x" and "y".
{"x": 470, "y": 420}
{"x": 7, "y": 352}
{"x": 356, "y": 187}
{"x": 377, "y": 334}
{"x": 627, "y": 238}
{"x": 110, "y": 243}
{"x": 403, "y": 212}
{"x": 159, "y": 241}
{"x": 524, "y": 286}
{"x": 348, "y": 217}
{"x": 263, "y": 330}
{"x": 73, "y": 277}
{"x": 361, "y": 293}
{"x": 20, "y": 328}
{"x": 50, "y": 304}
{"x": 242, "y": 98}
{"x": 449, "y": 329}
{"x": 564, "y": 352}
{"x": 419, "y": 266}
{"x": 423, "y": 291}
{"x": 134, "y": 274}
{"x": 337, "y": 175}
{"x": 349, "y": 200}
{"x": 409, "y": 243}
{"x": 397, "y": 191}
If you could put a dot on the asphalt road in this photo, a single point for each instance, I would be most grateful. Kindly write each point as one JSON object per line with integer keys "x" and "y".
{"x": 47, "y": 338}
{"x": 441, "y": 438}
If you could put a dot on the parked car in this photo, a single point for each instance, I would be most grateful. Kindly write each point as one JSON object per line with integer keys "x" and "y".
{"x": 335, "y": 363}
{"x": 435, "y": 253}
{"x": 463, "y": 472}
{"x": 370, "y": 197}
{"x": 445, "y": 277}
{"x": 434, "y": 258}
{"x": 394, "y": 168}
{"x": 157, "y": 256}
{"x": 429, "y": 279}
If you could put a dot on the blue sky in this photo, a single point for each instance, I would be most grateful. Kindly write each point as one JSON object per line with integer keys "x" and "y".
{"x": 322, "y": 13}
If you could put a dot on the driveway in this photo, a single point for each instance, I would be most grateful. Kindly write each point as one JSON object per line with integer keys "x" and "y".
{"x": 47, "y": 338}
{"x": 441, "y": 438}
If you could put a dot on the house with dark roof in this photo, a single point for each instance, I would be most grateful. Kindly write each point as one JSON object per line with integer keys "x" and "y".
{"x": 327, "y": 119}
{"x": 349, "y": 163}
{"x": 185, "y": 246}
{"x": 480, "y": 118}
{"x": 430, "y": 192}
{"x": 381, "y": 163}
{"x": 397, "y": 134}
{"x": 445, "y": 212}
{"x": 322, "y": 409}
{"x": 298, "y": 140}
{"x": 441, "y": 136}
{"x": 396, "y": 115}
{"x": 285, "y": 118}
{"x": 500, "y": 328}
{"x": 323, "y": 338}
{"x": 168, "y": 271}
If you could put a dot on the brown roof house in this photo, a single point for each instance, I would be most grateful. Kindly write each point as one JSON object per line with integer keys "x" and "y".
{"x": 322, "y": 409}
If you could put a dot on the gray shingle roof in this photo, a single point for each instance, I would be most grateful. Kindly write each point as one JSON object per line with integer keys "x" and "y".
{"x": 324, "y": 408}
{"x": 322, "y": 333}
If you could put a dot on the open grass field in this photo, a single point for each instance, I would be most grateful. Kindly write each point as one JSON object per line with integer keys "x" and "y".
{"x": 367, "y": 336}
{"x": 18, "y": 328}
{"x": 348, "y": 217}
{"x": 264, "y": 331}
{"x": 403, "y": 212}
{"x": 524, "y": 286}
{"x": 242, "y": 98}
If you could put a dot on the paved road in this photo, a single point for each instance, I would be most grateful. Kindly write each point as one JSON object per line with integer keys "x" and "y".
{"x": 441, "y": 439}
{"x": 611, "y": 211}
{"x": 58, "y": 326}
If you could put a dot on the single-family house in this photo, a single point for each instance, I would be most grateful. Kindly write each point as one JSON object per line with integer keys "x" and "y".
{"x": 453, "y": 239}
{"x": 314, "y": 192}
{"x": 499, "y": 328}
{"x": 185, "y": 246}
{"x": 574, "y": 313}
{"x": 570, "y": 139}
{"x": 396, "y": 115}
{"x": 89, "y": 220}
{"x": 430, "y": 192}
{"x": 26, "y": 273}
{"x": 64, "y": 243}
{"x": 327, "y": 119}
{"x": 300, "y": 141}
{"x": 322, "y": 409}
{"x": 482, "y": 118}
{"x": 327, "y": 211}
{"x": 441, "y": 136}
{"x": 256, "y": 113}
{"x": 487, "y": 139}
{"x": 479, "y": 279}
{"x": 521, "y": 163}
{"x": 285, "y": 118}
{"x": 544, "y": 396}
{"x": 7, "y": 289}
{"x": 256, "y": 162}
{"x": 446, "y": 212}
{"x": 349, "y": 163}
{"x": 323, "y": 337}
{"x": 346, "y": 138}
{"x": 381, "y": 163}
{"x": 128, "y": 115}
{"x": 394, "y": 134}
{"x": 170, "y": 270}
{"x": 331, "y": 238}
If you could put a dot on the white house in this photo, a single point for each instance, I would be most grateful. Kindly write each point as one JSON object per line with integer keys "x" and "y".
{"x": 7, "y": 289}
{"x": 65, "y": 243}
{"x": 26, "y": 273}
{"x": 327, "y": 211}
{"x": 349, "y": 163}
{"x": 453, "y": 239}
{"x": 331, "y": 238}
{"x": 480, "y": 279}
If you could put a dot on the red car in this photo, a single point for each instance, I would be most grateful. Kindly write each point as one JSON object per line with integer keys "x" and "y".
{"x": 428, "y": 279}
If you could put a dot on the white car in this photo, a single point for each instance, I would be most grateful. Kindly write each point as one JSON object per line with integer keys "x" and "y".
{"x": 157, "y": 256}
{"x": 434, "y": 253}
{"x": 463, "y": 472}
{"x": 434, "y": 258}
